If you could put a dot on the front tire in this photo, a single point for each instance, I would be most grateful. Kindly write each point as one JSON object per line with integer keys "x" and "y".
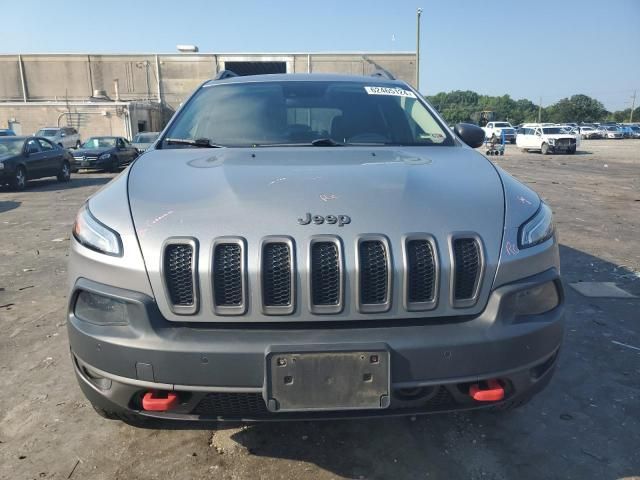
{"x": 19, "y": 180}
{"x": 65, "y": 172}
{"x": 544, "y": 149}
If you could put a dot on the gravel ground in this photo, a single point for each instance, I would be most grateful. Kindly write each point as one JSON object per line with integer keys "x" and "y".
{"x": 585, "y": 425}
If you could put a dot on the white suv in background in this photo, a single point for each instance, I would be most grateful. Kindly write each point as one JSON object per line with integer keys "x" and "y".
{"x": 547, "y": 139}
{"x": 66, "y": 137}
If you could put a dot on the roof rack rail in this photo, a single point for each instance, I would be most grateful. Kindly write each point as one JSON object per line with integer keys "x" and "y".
{"x": 225, "y": 74}
{"x": 381, "y": 72}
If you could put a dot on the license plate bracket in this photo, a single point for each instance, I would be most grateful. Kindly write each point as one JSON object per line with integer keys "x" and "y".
{"x": 327, "y": 380}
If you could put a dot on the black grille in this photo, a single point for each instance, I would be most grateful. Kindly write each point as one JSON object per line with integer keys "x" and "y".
{"x": 276, "y": 274}
{"x": 225, "y": 404}
{"x": 373, "y": 272}
{"x": 325, "y": 273}
{"x": 467, "y": 268}
{"x": 227, "y": 275}
{"x": 178, "y": 268}
{"x": 421, "y": 272}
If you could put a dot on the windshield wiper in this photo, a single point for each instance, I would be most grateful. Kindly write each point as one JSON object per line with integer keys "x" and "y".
{"x": 198, "y": 142}
{"x": 326, "y": 142}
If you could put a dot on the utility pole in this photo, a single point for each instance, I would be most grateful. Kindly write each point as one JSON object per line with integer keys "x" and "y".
{"x": 419, "y": 13}
{"x": 633, "y": 105}
{"x": 540, "y": 111}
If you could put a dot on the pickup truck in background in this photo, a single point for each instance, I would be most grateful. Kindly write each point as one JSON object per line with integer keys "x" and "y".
{"x": 497, "y": 128}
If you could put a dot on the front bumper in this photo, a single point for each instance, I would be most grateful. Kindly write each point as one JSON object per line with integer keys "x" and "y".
{"x": 219, "y": 370}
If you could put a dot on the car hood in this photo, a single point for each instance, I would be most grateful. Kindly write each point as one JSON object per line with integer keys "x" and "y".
{"x": 253, "y": 193}
{"x": 91, "y": 151}
{"x": 7, "y": 156}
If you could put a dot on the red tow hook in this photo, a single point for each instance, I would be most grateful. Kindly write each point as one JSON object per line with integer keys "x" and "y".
{"x": 494, "y": 393}
{"x": 155, "y": 401}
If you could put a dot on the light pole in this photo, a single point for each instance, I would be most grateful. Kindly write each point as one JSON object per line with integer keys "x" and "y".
{"x": 419, "y": 13}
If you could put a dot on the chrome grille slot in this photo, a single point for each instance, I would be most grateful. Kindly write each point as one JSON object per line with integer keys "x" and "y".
{"x": 467, "y": 271}
{"x": 326, "y": 275}
{"x": 421, "y": 273}
{"x": 374, "y": 274}
{"x": 229, "y": 284}
{"x": 277, "y": 276}
{"x": 179, "y": 274}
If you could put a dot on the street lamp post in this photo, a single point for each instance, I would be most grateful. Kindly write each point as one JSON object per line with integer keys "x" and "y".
{"x": 419, "y": 13}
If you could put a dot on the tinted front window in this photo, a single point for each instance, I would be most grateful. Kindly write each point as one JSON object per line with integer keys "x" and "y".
{"x": 553, "y": 131}
{"x": 100, "y": 142}
{"x": 294, "y": 113}
{"x": 503, "y": 125}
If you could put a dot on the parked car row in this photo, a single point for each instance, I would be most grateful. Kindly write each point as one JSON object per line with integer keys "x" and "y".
{"x": 27, "y": 158}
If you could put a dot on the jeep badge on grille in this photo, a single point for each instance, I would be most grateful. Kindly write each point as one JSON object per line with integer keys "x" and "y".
{"x": 340, "y": 220}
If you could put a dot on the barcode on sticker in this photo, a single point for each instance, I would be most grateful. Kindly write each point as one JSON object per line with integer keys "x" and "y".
{"x": 396, "y": 92}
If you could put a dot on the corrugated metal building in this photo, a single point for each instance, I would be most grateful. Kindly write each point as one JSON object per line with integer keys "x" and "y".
{"x": 121, "y": 94}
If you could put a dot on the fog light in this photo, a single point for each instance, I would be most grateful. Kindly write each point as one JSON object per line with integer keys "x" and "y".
{"x": 101, "y": 310}
{"x": 535, "y": 300}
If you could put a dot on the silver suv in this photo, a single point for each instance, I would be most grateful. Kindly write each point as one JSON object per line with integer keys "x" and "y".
{"x": 65, "y": 137}
{"x": 304, "y": 246}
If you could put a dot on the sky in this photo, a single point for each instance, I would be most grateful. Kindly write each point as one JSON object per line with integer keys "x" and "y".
{"x": 542, "y": 49}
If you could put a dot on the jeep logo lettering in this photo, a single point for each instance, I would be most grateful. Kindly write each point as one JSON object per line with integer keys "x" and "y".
{"x": 340, "y": 220}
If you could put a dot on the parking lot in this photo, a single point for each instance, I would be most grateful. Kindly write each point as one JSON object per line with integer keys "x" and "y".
{"x": 585, "y": 425}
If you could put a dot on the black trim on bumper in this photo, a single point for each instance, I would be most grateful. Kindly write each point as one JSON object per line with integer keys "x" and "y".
{"x": 153, "y": 353}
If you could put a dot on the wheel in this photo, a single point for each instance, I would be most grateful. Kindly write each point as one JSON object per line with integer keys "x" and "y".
{"x": 19, "y": 180}
{"x": 488, "y": 152}
{"x": 544, "y": 148}
{"x": 78, "y": 144}
{"x": 65, "y": 172}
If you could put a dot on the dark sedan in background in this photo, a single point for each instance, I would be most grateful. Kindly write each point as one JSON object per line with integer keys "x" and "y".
{"x": 26, "y": 158}
{"x": 104, "y": 153}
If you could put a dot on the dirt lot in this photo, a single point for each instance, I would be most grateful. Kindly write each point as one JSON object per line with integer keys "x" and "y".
{"x": 585, "y": 425}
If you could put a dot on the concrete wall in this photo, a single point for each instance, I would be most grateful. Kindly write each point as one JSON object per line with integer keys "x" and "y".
{"x": 170, "y": 78}
{"x": 166, "y": 79}
{"x": 90, "y": 120}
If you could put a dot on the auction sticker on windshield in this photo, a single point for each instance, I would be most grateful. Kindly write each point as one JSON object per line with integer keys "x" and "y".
{"x": 396, "y": 92}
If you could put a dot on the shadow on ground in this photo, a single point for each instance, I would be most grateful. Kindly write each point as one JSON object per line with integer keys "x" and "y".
{"x": 6, "y": 205}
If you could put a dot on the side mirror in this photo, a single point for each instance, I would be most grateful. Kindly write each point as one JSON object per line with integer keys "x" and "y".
{"x": 63, "y": 134}
{"x": 470, "y": 134}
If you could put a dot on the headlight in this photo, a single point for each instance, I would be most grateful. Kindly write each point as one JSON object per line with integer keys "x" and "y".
{"x": 537, "y": 229}
{"x": 94, "y": 235}
{"x": 104, "y": 156}
{"x": 552, "y": 141}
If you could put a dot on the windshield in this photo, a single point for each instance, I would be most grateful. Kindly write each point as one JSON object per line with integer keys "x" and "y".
{"x": 145, "y": 137}
{"x": 100, "y": 142}
{"x": 47, "y": 132}
{"x": 10, "y": 146}
{"x": 553, "y": 130}
{"x": 300, "y": 112}
{"x": 612, "y": 129}
{"x": 503, "y": 125}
